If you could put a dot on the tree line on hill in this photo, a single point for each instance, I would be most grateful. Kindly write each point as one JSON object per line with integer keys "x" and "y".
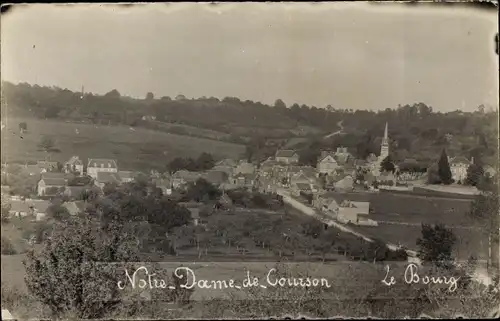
{"x": 416, "y": 130}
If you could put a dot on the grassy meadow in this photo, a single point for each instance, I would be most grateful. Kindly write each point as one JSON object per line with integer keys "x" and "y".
{"x": 135, "y": 149}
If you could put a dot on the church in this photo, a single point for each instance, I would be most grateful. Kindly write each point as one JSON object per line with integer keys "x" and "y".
{"x": 384, "y": 153}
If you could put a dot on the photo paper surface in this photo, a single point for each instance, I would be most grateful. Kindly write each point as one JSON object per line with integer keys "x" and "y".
{"x": 249, "y": 161}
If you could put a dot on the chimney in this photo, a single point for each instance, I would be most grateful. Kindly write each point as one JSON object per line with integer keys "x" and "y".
{"x": 472, "y": 160}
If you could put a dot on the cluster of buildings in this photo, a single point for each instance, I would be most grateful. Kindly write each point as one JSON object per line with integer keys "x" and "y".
{"x": 335, "y": 170}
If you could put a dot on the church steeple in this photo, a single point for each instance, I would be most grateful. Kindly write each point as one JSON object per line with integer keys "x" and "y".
{"x": 384, "y": 148}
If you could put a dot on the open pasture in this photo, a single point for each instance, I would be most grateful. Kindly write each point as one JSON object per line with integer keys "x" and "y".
{"x": 469, "y": 242}
{"x": 134, "y": 148}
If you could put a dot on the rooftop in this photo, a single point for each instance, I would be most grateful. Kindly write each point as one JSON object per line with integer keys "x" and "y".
{"x": 102, "y": 162}
{"x": 285, "y": 153}
{"x": 25, "y": 206}
{"x": 105, "y": 177}
{"x": 54, "y": 181}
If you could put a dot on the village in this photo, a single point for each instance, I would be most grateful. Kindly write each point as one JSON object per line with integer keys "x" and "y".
{"x": 337, "y": 173}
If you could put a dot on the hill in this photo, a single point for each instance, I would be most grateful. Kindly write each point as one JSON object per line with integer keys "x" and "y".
{"x": 136, "y": 148}
{"x": 416, "y": 130}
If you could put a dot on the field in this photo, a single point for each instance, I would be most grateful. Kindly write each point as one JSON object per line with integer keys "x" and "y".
{"x": 138, "y": 149}
{"x": 468, "y": 241}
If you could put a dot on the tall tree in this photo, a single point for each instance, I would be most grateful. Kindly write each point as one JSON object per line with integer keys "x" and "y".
{"x": 387, "y": 165}
{"x": 113, "y": 94}
{"x": 59, "y": 275}
{"x": 279, "y": 104}
{"x": 484, "y": 215}
{"x": 46, "y": 143}
{"x": 150, "y": 96}
{"x": 436, "y": 245}
{"x": 475, "y": 173}
{"x": 444, "y": 170}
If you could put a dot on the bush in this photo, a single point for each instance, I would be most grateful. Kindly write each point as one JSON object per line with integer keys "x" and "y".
{"x": 7, "y": 247}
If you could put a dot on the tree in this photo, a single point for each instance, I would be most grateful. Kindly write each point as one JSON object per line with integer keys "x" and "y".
{"x": 202, "y": 190}
{"x": 7, "y": 248}
{"x": 5, "y": 211}
{"x": 484, "y": 215}
{"x": 46, "y": 143}
{"x": 150, "y": 96}
{"x": 77, "y": 252}
{"x": 433, "y": 174}
{"x": 205, "y": 162}
{"x": 23, "y": 127}
{"x": 180, "y": 97}
{"x": 279, "y": 104}
{"x": 387, "y": 165}
{"x": 475, "y": 172}
{"x": 113, "y": 94}
{"x": 58, "y": 212}
{"x": 436, "y": 245}
{"x": 444, "y": 170}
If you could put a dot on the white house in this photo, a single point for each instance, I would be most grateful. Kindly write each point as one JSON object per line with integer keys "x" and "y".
{"x": 96, "y": 165}
{"x": 51, "y": 184}
{"x": 354, "y": 212}
{"x": 459, "y": 166}
{"x": 327, "y": 164}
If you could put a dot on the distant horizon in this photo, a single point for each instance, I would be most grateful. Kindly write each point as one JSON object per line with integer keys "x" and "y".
{"x": 347, "y": 55}
{"x": 487, "y": 108}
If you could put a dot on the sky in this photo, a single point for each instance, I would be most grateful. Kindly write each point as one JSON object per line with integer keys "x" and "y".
{"x": 348, "y": 55}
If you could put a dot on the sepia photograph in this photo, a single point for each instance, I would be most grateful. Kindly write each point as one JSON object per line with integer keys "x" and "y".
{"x": 253, "y": 160}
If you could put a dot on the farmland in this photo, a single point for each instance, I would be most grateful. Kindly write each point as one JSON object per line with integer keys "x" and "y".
{"x": 136, "y": 148}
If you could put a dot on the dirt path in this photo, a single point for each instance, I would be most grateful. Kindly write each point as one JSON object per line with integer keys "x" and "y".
{"x": 338, "y": 132}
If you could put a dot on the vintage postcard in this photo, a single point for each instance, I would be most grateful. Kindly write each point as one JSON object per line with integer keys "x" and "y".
{"x": 249, "y": 161}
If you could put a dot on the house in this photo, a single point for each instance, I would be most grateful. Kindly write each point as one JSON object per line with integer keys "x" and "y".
{"x": 148, "y": 117}
{"x": 459, "y": 166}
{"x": 386, "y": 178}
{"x": 300, "y": 188}
{"x": 360, "y": 163}
{"x": 342, "y": 155}
{"x": 126, "y": 176}
{"x": 74, "y": 165}
{"x": 345, "y": 184}
{"x": 104, "y": 178}
{"x": 22, "y": 208}
{"x": 327, "y": 163}
{"x": 51, "y": 186}
{"x": 194, "y": 209}
{"x": 164, "y": 184}
{"x": 74, "y": 207}
{"x": 225, "y": 165}
{"x": 349, "y": 211}
{"x": 365, "y": 221}
{"x": 266, "y": 185}
{"x": 181, "y": 178}
{"x": 243, "y": 180}
{"x": 214, "y": 177}
{"x": 303, "y": 176}
{"x": 98, "y": 165}
{"x": 47, "y": 165}
{"x": 287, "y": 156}
{"x": 244, "y": 167}
{"x": 154, "y": 173}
